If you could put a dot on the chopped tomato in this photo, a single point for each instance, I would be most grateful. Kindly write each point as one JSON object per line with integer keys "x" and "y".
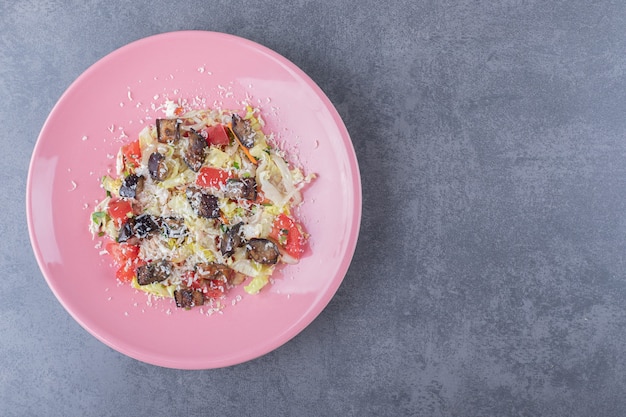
{"x": 217, "y": 135}
{"x": 126, "y": 257}
{"x": 132, "y": 155}
{"x": 212, "y": 177}
{"x": 120, "y": 210}
{"x": 121, "y": 252}
{"x": 179, "y": 111}
{"x": 214, "y": 288}
{"x": 288, "y": 234}
{"x": 211, "y": 288}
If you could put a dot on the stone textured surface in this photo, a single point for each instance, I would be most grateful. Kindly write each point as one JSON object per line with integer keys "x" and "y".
{"x": 489, "y": 275}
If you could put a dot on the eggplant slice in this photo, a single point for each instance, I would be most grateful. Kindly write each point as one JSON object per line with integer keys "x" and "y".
{"x": 263, "y": 251}
{"x": 131, "y": 186}
{"x": 231, "y": 240}
{"x": 205, "y": 205}
{"x": 168, "y": 130}
{"x": 145, "y": 225}
{"x": 188, "y": 298}
{"x": 157, "y": 166}
{"x": 154, "y": 272}
{"x": 127, "y": 232}
{"x": 194, "y": 152}
{"x": 215, "y": 271}
{"x": 242, "y": 189}
{"x": 243, "y": 130}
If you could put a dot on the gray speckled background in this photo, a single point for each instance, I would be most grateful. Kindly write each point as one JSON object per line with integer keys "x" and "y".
{"x": 489, "y": 278}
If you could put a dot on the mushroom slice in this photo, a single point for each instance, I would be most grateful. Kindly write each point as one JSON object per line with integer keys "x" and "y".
{"x": 131, "y": 186}
{"x": 244, "y": 188}
{"x": 194, "y": 151}
{"x": 188, "y": 298}
{"x": 168, "y": 130}
{"x": 157, "y": 166}
{"x": 231, "y": 240}
{"x": 244, "y": 131}
{"x": 205, "y": 205}
{"x": 154, "y": 272}
{"x": 263, "y": 251}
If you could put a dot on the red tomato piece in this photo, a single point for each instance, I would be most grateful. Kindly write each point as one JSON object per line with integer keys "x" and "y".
{"x": 126, "y": 273}
{"x": 217, "y": 135}
{"x": 214, "y": 288}
{"x": 126, "y": 257}
{"x": 119, "y": 210}
{"x": 121, "y": 252}
{"x": 288, "y": 234}
{"x": 132, "y": 155}
{"x": 211, "y": 288}
{"x": 212, "y": 177}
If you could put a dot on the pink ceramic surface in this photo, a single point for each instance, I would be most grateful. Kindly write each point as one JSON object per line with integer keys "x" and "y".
{"x": 107, "y": 106}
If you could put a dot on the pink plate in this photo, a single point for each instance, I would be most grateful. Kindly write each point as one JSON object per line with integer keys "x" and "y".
{"x": 107, "y": 106}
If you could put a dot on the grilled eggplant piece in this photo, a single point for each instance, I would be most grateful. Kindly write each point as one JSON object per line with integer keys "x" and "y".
{"x": 173, "y": 227}
{"x": 136, "y": 228}
{"x": 231, "y": 240}
{"x": 131, "y": 186}
{"x": 243, "y": 131}
{"x": 214, "y": 271}
{"x": 145, "y": 225}
{"x": 263, "y": 251}
{"x": 188, "y": 298}
{"x": 205, "y": 205}
{"x": 154, "y": 272}
{"x": 195, "y": 151}
{"x": 168, "y": 130}
{"x": 243, "y": 189}
{"x": 157, "y": 166}
{"x": 127, "y": 232}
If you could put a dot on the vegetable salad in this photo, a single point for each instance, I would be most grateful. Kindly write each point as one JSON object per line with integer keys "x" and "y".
{"x": 202, "y": 201}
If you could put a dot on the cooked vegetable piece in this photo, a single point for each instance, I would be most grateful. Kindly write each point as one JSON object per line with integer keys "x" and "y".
{"x": 154, "y": 272}
{"x": 241, "y": 189}
{"x": 188, "y": 298}
{"x": 215, "y": 271}
{"x": 194, "y": 151}
{"x": 204, "y": 204}
{"x": 245, "y": 150}
{"x": 168, "y": 130}
{"x": 145, "y": 225}
{"x": 157, "y": 166}
{"x": 263, "y": 251}
{"x": 131, "y": 186}
{"x": 127, "y": 232}
{"x": 243, "y": 131}
{"x": 231, "y": 240}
